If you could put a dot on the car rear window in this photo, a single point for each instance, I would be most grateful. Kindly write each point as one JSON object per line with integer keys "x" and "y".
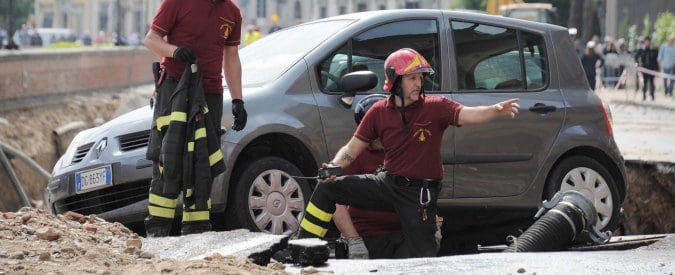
{"x": 498, "y": 58}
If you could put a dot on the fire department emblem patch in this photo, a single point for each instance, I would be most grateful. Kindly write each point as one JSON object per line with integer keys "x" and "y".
{"x": 422, "y": 134}
{"x": 226, "y": 27}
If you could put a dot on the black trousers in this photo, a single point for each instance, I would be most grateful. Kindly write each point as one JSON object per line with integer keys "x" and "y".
{"x": 165, "y": 192}
{"x": 590, "y": 76}
{"x": 383, "y": 192}
{"x": 648, "y": 81}
{"x": 384, "y": 247}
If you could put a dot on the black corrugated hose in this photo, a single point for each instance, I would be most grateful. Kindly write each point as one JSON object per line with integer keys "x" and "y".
{"x": 570, "y": 215}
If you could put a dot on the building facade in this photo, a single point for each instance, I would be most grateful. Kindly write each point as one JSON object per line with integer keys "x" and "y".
{"x": 92, "y": 16}
{"x": 291, "y": 12}
{"x": 128, "y": 16}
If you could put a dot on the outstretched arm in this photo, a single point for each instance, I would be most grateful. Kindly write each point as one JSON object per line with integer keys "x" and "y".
{"x": 483, "y": 114}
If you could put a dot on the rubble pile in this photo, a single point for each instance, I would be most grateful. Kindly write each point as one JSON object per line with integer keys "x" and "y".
{"x": 32, "y": 241}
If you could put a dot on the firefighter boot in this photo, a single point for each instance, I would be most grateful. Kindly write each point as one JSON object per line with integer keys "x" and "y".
{"x": 195, "y": 227}
{"x": 157, "y": 227}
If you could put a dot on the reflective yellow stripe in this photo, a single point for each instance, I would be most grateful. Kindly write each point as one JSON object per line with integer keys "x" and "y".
{"x": 161, "y": 212}
{"x": 191, "y": 146}
{"x": 318, "y": 213}
{"x": 215, "y": 157}
{"x": 206, "y": 109}
{"x": 161, "y": 169}
{"x": 208, "y": 204}
{"x": 313, "y": 228}
{"x": 162, "y": 201}
{"x": 175, "y": 116}
{"x": 195, "y": 216}
{"x": 200, "y": 133}
{"x": 179, "y": 116}
{"x": 162, "y": 121}
{"x": 188, "y": 193}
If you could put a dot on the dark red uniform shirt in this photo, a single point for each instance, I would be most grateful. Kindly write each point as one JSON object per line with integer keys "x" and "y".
{"x": 370, "y": 223}
{"x": 415, "y": 154}
{"x": 206, "y": 27}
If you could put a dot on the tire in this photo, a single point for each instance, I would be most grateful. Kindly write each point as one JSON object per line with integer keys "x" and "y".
{"x": 268, "y": 199}
{"x": 594, "y": 181}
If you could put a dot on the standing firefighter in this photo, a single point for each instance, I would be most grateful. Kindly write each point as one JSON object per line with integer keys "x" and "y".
{"x": 183, "y": 32}
{"x": 410, "y": 126}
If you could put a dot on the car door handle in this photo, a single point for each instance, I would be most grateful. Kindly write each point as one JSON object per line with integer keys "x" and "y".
{"x": 542, "y": 108}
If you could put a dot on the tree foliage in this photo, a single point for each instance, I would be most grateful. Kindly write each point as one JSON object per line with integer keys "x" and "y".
{"x": 21, "y": 10}
{"x": 469, "y": 4}
{"x": 623, "y": 26}
{"x": 663, "y": 27}
{"x": 647, "y": 26}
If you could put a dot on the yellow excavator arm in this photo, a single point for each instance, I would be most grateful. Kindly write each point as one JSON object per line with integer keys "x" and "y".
{"x": 494, "y": 5}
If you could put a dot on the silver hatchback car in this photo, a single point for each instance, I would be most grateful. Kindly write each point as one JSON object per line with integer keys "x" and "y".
{"x": 494, "y": 180}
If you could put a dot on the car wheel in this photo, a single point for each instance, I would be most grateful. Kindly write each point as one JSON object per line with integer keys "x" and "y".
{"x": 268, "y": 199}
{"x": 590, "y": 178}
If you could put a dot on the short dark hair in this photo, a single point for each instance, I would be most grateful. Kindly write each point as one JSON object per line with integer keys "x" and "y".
{"x": 648, "y": 38}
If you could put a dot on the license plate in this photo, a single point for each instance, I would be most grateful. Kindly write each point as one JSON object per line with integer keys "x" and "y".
{"x": 92, "y": 179}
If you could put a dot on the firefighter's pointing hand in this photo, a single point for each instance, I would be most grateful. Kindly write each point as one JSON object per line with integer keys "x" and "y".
{"x": 507, "y": 108}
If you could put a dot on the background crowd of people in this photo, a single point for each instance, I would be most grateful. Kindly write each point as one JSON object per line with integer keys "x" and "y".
{"x": 609, "y": 64}
{"x": 31, "y": 37}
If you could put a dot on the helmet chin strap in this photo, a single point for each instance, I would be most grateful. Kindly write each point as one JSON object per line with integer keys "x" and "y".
{"x": 398, "y": 91}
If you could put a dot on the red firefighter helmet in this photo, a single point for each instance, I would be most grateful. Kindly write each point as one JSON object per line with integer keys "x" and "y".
{"x": 402, "y": 62}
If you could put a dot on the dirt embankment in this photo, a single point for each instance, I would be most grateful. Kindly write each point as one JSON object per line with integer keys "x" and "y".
{"x": 650, "y": 204}
{"x": 30, "y": 130}
{"x": 34, "y": 242}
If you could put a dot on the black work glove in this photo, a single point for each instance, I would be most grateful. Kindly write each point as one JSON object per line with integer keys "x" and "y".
{"x": 239, "y": 113}
{"x": 184, "y": 54}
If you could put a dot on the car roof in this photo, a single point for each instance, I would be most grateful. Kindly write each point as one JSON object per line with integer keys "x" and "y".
{"x": 369, "y": 16}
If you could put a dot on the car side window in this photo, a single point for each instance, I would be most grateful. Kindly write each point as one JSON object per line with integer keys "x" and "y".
{"x": 491, "y": 58}
{"x": 334, "y": 67}
{"x": 535, "y": 61}
{"x": 370, "y": 48}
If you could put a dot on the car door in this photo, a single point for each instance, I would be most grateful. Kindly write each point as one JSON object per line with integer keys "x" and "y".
{"x": 494, "y": 63}
{"x": 367, "y": 50}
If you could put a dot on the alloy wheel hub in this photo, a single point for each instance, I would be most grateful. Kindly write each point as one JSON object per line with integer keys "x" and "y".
{"x": 276, "y": 202}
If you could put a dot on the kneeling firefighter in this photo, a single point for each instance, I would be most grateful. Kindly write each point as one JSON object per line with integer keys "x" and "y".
{"x": 410, "y": 126}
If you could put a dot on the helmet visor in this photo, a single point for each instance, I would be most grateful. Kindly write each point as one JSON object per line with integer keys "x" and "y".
{"x": 428, "y": 70}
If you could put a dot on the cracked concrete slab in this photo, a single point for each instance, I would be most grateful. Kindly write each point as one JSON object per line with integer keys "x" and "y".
{"x": 658, "y": 258}
{"x": 238, "y": 243}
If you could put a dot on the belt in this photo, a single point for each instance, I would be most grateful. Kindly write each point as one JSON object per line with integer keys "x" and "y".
{"x": 401, "y": 180}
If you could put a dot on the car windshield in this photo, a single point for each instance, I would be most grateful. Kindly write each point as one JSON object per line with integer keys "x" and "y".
{"x": 269, "y": 57}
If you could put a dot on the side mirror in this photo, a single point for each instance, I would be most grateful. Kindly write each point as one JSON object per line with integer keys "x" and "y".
{"x": 354, "y": 82}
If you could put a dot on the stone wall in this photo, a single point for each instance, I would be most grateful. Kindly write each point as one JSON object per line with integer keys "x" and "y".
{"x": 40, "y": 73}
